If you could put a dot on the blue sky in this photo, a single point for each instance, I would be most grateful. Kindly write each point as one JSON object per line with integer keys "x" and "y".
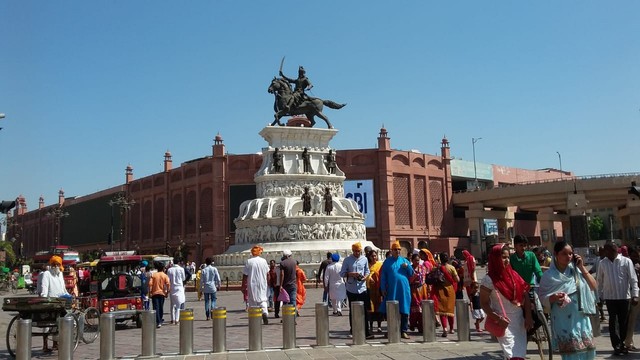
{"x": 89, "y": 87}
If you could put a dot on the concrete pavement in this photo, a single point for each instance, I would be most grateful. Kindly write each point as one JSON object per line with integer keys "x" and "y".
{"x": 128, "y": 339}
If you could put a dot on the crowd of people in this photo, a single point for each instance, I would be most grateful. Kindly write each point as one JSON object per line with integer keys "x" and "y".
{"x": 569, "y": 292}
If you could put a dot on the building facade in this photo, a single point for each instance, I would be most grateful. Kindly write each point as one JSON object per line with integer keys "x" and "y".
{"x": 406, "y": 196}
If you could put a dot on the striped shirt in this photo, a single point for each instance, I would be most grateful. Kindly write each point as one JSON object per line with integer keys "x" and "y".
{"x": 617, "y": 280}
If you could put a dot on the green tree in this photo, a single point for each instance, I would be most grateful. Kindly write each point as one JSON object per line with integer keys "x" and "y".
{"x": 7, "y": 246}
{"x": 596, "y": 228}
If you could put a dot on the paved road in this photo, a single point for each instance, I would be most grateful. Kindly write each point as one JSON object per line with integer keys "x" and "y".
{"x": 128, "y": 339}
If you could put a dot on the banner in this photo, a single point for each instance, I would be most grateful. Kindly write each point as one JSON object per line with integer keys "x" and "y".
{"x": 361, "y": 191}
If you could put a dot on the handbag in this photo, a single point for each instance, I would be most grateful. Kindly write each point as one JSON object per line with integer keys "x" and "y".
{"x": 283, "y": 295}
{"x": 493, "y": 326}
{"x": 434, "y": 277}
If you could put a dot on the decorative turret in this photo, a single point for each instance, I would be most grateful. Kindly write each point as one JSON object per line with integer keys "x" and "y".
{"x": 218, "y": 146}
{"x": 60, "y": 197}
{"x": 445, "y": 151}
{"x": 128, "y": 174}
{"x": 168, "y": 163}
{"x": 384, "y": 143}
{"x": 41, "y": 202}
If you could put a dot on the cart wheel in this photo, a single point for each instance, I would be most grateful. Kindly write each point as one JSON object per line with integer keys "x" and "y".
{"x": 542, "y": 337}
{"x": 138, "y": 321}
{"x": 76, "y": 333}
{"x": 12, "y": 336}
{"x": 91, "y": 325}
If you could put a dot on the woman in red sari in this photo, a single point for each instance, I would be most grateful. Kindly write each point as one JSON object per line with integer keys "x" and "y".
{"x": 418, "y": 293}
{"x": 503, "y": 295}
{"x": 429, "y": 262}
{"x": 470, "y": 271}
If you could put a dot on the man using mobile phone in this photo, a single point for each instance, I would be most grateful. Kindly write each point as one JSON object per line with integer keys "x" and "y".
{"x": 355, "y": 269}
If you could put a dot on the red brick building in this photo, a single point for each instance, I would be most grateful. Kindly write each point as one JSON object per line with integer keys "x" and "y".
{"x": 191, "y": 207}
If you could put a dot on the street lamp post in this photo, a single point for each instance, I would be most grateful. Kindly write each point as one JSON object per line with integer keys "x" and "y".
{"x": 57, "y": 213}
{"x": 560, "y": 160}
{"x": 125, "y": 205}
{"x": 475, "y": 171}
{"x": 199, "y": 244}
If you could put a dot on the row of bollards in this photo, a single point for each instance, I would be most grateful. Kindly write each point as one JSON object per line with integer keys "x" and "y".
{"x": 219, "y": 321}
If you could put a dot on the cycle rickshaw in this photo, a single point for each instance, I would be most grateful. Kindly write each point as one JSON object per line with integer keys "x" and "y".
{"x": 44, "y": 314}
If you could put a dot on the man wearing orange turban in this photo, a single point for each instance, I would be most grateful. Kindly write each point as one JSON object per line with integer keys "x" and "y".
{"x": 52, "y": 285}
{"x": 355, "y": 268}
{"x": 256, "y": 250}
{"x": 254, "y": 275}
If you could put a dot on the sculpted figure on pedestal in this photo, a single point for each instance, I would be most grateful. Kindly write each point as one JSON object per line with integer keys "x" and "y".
{"x": 297, "y": 102}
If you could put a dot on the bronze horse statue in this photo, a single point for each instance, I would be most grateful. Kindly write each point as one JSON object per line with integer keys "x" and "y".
{"x": 285, "y": 104}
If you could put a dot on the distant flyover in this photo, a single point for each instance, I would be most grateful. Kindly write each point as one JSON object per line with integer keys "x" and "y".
{"x": 554, "y": 201}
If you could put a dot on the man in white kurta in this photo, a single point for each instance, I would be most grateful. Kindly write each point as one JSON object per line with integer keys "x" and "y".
{"x": 335, "y": 283}
{"x": 51, "y": 284}
{"x": 255, "y": 274}
{"x": 176, "y": 294}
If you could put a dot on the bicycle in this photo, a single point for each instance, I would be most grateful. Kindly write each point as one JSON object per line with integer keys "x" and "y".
{"x": 541, "y": 332}
{"x": 9, "y": 285}
{"x": 88, "y": 317}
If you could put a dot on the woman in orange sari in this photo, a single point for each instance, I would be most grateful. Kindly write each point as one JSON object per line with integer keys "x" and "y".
{"x": 301, "y": 294}
{"x": 446, "y": 293}
{"x": 373, "y": 287}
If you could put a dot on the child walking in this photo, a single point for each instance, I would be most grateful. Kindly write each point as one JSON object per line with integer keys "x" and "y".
{"x": 476, "y": 309}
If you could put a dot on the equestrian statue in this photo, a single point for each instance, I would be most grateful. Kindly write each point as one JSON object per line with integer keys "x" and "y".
{"x": 296, "y": 101}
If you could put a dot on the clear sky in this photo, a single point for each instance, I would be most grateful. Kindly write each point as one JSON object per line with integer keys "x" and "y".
{"x": 89, "y": 87}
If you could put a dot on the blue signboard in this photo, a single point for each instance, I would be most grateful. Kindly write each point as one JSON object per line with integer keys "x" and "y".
{"x": 361, "y": 191}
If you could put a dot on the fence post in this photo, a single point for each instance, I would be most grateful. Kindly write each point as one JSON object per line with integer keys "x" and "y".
{"x": 255, "y": 328}
{"x": 428, "y": 321}
{"x": 357, "y": 323}
{"x": 186, "y": 332}
{"x": 219, "y": 329}
{"x": 23, "y": 348}
{"x": 462, "y": 319}
{"x": 393, "y": 321}
{"x": 66, "y": 340}
{"x": 107, "y": 336}
{"x": 288, "y": 327}
{"x": 322, "y": 324}
{"x": 148, "y": 319}
{"x": 595, "y": 324}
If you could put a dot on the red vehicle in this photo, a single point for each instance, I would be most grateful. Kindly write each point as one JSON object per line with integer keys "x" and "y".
{"x": 119, "y": 285}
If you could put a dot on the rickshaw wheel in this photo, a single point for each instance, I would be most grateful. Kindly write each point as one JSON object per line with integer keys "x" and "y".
{"x": 12, "y": 336}
{"x": 91, "y": 325}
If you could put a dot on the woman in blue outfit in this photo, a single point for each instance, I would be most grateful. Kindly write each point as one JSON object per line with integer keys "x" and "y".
{"x": 568, "y": 288}
{"x": 394, "y": 285}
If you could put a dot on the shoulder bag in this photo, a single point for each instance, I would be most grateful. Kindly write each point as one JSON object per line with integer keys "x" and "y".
{"x": 494, "y": 326}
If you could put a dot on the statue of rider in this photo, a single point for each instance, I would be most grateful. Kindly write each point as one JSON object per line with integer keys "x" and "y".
{"x": 302, "y": 83}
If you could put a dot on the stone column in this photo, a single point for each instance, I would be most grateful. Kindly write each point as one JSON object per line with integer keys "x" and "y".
{"x": 546, "y": 218}
{"x": 475, "y": 218}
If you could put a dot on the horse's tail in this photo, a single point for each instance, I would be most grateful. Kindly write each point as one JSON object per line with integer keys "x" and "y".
{"x": 332, "y": 104}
